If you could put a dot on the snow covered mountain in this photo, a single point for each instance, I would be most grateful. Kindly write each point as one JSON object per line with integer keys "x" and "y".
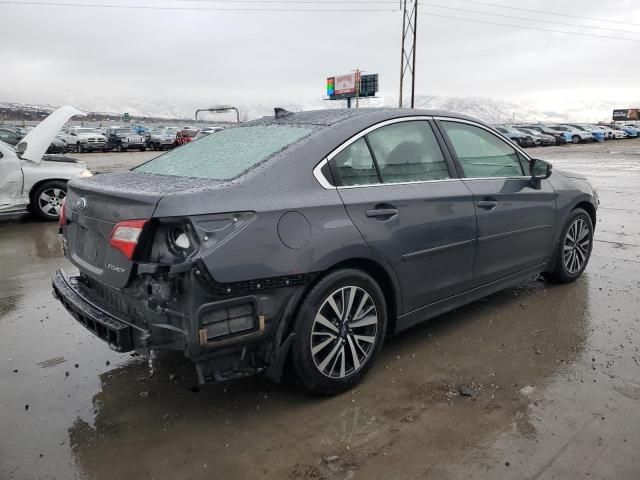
{"x": 487, "y": 109}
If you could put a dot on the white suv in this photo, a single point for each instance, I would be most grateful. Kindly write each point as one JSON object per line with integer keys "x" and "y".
{"x": 84, "y": 139}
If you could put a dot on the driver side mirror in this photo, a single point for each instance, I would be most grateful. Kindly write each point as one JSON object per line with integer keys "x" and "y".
{"x": 540, "y": 170}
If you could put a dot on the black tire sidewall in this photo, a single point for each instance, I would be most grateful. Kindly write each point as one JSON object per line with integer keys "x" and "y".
{"x": 561, "y": 272}
{"x": 306, "y": 373}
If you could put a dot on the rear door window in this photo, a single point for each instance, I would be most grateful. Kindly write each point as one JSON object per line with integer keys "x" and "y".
{"x": 227, "y": 154}
{"x": 355, "y": 165}
{"x": 408, "y": 152}
{"x": 481, "y": 153}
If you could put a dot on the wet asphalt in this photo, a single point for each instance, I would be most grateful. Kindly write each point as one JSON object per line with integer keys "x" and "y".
{"x": 539, "y": 381}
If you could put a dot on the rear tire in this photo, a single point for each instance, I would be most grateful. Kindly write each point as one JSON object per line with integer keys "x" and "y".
{"x": 574, "y": 248}
{"x": 575, "y": 139}
{"x": 335, "y": 346}
{"x": 46, "y": 200}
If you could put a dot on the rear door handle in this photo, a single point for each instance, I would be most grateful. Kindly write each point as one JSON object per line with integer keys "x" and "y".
{"x": 382, "y": 213}
{"x": 487, "y": 204}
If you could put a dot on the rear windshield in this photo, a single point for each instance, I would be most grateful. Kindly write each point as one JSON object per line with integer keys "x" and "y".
{"x": 226, "y": 154}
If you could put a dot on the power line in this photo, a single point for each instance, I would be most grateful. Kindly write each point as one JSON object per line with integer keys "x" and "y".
{"x": 465, "y": 10}
{"x": 301, "y": 2}
{"x": 191, "y": 8}
{"x": 475, "y": 20}
{"x": 496, "y": 5}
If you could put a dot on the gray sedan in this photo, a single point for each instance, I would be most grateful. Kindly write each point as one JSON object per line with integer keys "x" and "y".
{"x": 307, "y": 238}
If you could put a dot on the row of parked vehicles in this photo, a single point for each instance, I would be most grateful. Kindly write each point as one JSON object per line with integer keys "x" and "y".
{"x": 544, "y": 135}
{"x": 119, "y": 138}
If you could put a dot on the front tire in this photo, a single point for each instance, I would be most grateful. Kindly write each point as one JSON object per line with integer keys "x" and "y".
{"x": 575, "y": 139}
{"x": 574, "y": 248}
{"x": 46, "y": 201}
{"x": 340, "y": 328}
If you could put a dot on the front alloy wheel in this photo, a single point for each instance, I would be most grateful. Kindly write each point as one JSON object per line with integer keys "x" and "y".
{"x": 339, "y": 329}
{"x": 574, "y": 248}
{"x": 577, "y": 246}
{"x": 344, "y": 332}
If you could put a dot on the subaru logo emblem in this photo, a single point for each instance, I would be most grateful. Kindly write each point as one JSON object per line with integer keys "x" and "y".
{"x": 81, "y": 204}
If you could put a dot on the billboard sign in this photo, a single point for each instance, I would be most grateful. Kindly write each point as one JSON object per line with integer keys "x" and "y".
{"x": 622, "y": 114}
{"x": 331, "y": 86}
{"x": 346, "y": 83}
{"x": 344, "y": 86}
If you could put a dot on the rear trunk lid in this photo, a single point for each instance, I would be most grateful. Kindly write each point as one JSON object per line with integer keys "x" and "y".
{"x": 95, "y": 205}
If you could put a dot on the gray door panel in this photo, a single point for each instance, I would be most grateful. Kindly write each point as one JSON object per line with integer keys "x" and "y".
{"x": 515, "y": 225}
{"x": 425, "y": 230}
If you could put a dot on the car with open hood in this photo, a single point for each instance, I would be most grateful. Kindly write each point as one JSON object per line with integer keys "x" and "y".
{"x": 306, "y": 238}
{"x": 31, "y": 180}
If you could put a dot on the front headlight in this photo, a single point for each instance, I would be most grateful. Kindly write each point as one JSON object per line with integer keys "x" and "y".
{"x": 86, "y": 174}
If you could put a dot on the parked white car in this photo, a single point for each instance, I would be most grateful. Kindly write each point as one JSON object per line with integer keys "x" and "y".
{"x": 610, "y": 133}
{"x": 29, "y": 181}
{"x": 84, "y": 139}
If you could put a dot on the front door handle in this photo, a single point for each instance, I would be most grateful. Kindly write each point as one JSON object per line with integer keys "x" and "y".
{"x": 487, "y": 204}
{"x": 382, "y": 213}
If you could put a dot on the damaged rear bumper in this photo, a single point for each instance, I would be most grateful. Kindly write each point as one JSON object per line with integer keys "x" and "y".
{"x": 119, "y": 335}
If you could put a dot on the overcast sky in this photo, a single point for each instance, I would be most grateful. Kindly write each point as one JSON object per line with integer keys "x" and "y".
{"x": 176, "y": 60}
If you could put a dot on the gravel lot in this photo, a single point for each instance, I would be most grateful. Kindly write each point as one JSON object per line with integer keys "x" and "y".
{"x": 539, "y": 381}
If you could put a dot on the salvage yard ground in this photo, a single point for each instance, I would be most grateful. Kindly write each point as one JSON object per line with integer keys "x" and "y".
{"x": 539, "y": 381}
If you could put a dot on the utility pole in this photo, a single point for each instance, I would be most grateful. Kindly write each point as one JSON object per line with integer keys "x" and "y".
{"x": 408, "y": 48}
{"x": 357, "y": 88}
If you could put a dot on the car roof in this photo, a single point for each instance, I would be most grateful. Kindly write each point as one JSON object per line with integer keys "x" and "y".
{"x": 330, "y": 117}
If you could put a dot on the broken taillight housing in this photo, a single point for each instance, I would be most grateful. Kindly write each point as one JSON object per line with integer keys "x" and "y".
{"x": 125, "y": 236}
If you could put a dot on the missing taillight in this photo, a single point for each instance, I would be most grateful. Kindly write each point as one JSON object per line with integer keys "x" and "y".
{"x": 179, "y": 242}
{"x": 125, "y": 236}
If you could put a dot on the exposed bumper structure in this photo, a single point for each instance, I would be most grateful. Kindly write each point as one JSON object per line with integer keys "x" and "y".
{"x": 120, "y": 336}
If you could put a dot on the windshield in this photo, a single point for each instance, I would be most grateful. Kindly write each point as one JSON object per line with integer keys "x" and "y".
{"x": 226, "y": 154}
{"x": 87, "y": 130}
{"x": 123, "y": 130}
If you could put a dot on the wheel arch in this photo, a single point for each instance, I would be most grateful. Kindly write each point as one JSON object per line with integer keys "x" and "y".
{"x": 589, "y": 208}
{"x": 285, "y": 333}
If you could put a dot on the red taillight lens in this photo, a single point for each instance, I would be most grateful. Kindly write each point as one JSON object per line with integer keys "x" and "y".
{"x": 62, "y": 221}
{"x": 63, "y": 213}
{"x": 125, "y": 236}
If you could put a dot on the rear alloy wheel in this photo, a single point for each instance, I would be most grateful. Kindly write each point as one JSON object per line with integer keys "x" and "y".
{"x": 574, "y": 250}
{"x": 340, "y": 328}
{"x": 575, "y": 139}
{"x": 47, "y": 200}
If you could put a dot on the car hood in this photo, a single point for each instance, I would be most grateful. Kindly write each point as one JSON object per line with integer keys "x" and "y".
{"x": 567, "y": 174}
{"x": 33, "y": 146}
{"x": 91, "y": 135}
